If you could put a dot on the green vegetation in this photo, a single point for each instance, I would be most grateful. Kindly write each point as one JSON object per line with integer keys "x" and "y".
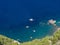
{"x": 48, "y": 40}
{"x": 7, "y": 41}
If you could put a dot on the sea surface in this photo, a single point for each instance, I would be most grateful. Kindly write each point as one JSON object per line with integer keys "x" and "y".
{"x": 15, "y": 15}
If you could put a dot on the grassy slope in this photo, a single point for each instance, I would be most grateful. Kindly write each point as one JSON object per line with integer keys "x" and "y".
{"x": 48, "y": 40}
{"x": 7, "y": 41}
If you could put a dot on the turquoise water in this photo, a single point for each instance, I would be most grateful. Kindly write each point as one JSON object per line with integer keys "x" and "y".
{"x": 23, "y": 35}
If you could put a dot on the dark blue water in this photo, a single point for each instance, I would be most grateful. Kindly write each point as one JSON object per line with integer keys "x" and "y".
{"x": 14, "y": 15}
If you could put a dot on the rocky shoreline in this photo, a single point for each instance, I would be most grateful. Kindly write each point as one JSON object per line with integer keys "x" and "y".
{"x": 48, "y": 40}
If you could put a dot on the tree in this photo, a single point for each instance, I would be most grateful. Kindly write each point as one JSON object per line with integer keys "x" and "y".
{"x": 1, "y": 43}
